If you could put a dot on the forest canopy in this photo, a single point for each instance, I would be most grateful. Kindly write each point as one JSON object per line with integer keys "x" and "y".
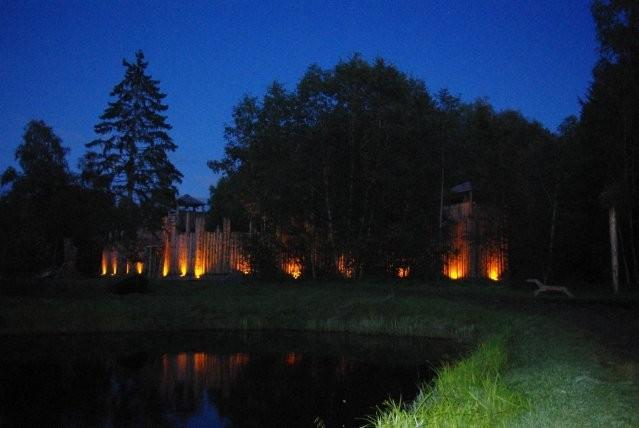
{"x": 352, "y": 162}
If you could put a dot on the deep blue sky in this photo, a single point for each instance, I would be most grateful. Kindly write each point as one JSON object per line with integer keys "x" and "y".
{"x": 60, "y": 59}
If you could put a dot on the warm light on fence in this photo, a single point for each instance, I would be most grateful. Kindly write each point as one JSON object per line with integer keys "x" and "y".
{"x": 494, "y": 265}
{"x": 104, "y": 263}
{"x": 345, "y": 266}
{"x": 243, "y": 266}
{"x": 454, "y": 268}
{"x": 293, "y": 267}
{"x": 199, "y": 270}
{"x": 183, "y": 259}
{"x": 403, "y": 271}
{"x": 167, "y": 260}
{"x": 139, "y": 267}
{"x": 114, "y": 263}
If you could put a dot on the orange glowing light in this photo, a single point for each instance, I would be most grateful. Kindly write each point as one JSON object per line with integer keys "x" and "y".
{"x": 292, "y": 359}
{"x": 494, "y": 265}
{"x": 166, "y": 262}
{"x": 403, "y": 271}
{"x": 200, "y": 361}
{"x": 239, "y": 359}
{"x": 457, "y": 261}
{"x": 454, "y": 269}
{"x": 182, "y": 361}
{"x": 243, "y": 266}
{"x": 183, "y": 260}
{"x": 139, "y": 267}
{"x": 114, "y": 263}
{"x": 345, "y": 266}
{"x": 293, "y": 267}
{"x": 199, "y": 271}
{"x": 128, "y": 268}
{"x": 104, "y": 262}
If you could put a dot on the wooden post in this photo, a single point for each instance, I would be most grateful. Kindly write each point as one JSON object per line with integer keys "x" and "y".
{"x": 474, "y": 239}
{"x": 614, "y": 257}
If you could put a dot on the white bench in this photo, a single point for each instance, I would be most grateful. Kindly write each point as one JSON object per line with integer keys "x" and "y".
{"x": 541, "y": 287}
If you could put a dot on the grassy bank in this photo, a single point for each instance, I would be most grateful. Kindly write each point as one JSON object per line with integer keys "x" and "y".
{"x": 470, "y": 393}
{"x": 536, "y": 362}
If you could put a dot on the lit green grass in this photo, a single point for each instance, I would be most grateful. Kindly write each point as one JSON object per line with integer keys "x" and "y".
{"x": 470, "y": 393}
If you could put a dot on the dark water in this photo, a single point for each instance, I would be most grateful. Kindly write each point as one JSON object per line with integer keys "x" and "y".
{"x": 209, "y": 379}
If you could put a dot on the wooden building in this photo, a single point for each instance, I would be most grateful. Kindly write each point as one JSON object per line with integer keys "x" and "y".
{"x": 184, "y": 248}
{"x": 189, "y": 250}
{"x": 473, "y": 246}
{"x": 474, "y": 243}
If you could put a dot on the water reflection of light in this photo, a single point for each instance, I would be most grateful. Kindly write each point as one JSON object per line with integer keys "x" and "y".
{"x": 239, "y": 360}
{"x": 292, "y": 359}
{"x": 182, "y": 360}
{"x": 184, "y": 388}
{"x": 199, "y": 361}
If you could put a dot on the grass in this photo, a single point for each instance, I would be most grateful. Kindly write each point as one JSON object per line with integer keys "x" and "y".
{"x": 535, "y": 363}
{"x": 470, "y": 393}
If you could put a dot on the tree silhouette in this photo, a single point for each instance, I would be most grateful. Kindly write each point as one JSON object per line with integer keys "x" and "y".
{"x": 130, "y": 157}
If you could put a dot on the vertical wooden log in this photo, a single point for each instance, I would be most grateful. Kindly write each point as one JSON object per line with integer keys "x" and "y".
{"x": 614, "y": 256}
{"x": 217, "y": 250}
{"x": 174, "y": 253}
{"x": 226, "y": 230}
{"x": 206, "y": 252}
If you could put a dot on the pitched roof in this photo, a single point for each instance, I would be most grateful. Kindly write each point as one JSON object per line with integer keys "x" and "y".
{"x": 466, "y": 186}
{"x": 189, "y": 201}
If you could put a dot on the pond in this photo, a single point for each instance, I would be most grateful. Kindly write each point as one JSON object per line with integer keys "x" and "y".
{"x": 212, "y": 379}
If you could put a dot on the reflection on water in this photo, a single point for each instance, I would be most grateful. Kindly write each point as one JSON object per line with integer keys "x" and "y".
{"x": 237, "y": 386}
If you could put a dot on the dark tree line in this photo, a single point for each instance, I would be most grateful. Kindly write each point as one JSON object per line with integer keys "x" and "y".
{"x": 353, "y": 159}
{"x": 609, "y": 125}
{"x": 46, "y": 203}
{"x": 126, "y": 184}
{"x": 351, "y": 164}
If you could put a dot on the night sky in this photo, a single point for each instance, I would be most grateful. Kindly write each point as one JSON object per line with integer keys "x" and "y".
{"x": 60, "y": 59}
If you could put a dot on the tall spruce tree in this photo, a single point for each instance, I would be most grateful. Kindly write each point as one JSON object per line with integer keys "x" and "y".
{"x": 130, "y": 157}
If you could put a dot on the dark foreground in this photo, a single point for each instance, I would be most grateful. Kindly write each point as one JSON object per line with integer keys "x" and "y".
{"x": 557, "y": 361}
{"x": 211, "y": 379}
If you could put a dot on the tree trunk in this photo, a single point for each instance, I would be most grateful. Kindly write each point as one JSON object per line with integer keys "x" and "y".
{"x": 624, "y": 255}
{"x": 329, "y": 216}
{"x": 551, "y": 240}
{"x": 633, "y": 248}
{"x": 614, "y": 258}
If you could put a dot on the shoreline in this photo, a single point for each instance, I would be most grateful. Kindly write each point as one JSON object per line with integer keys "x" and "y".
{"x": 536, "y": 348}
